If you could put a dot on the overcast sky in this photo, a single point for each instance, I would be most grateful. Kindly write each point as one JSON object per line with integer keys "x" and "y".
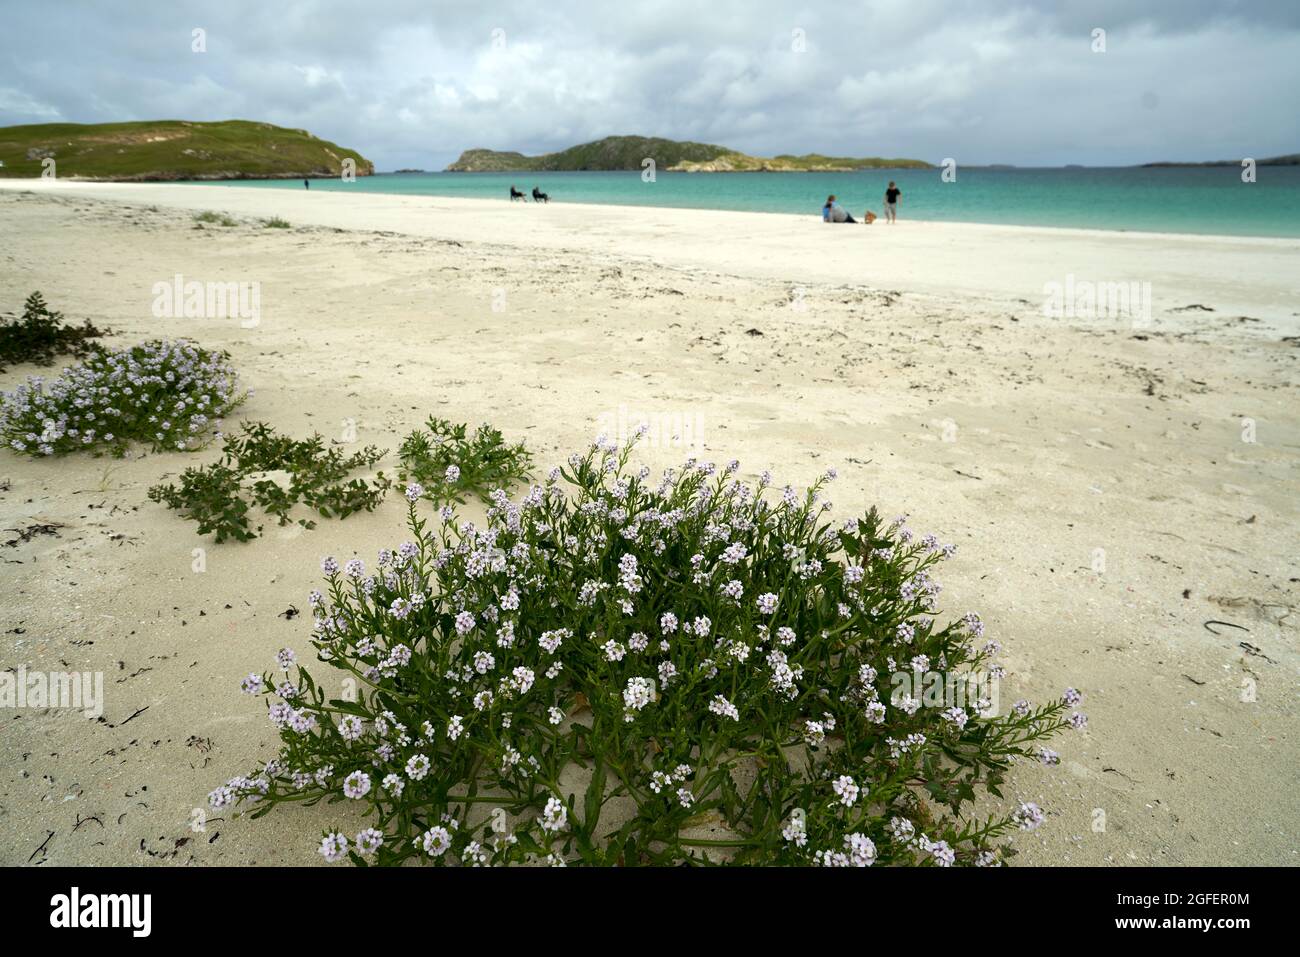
{"x": 411, "y": 84}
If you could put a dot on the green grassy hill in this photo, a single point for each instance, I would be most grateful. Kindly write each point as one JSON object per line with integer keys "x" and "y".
{"x": 172, "y": 150}
{"x": 628, "y": 152}
{"x": 808, "y": 163}
{"x": 613, "y": 152}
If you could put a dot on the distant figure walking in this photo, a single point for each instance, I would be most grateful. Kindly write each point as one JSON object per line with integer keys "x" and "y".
{"x": 833, "y": 212}
{"x": 516, "y": 194}
{"x": 891, "y": 203}
{"x": 306, "y": 184}
{"x": 539, "y": 196}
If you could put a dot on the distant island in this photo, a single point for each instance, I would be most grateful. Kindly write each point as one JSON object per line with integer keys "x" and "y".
{"x": 167, "y": 150}
{"x": 630, "y": 152}
{"x": 1291, "y": 159}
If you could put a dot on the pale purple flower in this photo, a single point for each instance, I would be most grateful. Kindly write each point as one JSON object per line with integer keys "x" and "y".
{"x": 638, "y": 693}
{"x": 418, "y": 766}
{"x": 369, "y": 841}
{"x": 356, "y": 785}
{"x": 1028, "y": 816}
{"x": 943, "y": 854}
{"x": 436, "y": 841}
{"x": 861, "y": 849}
{"x": 334, "y": 847}
{"x": 733, "y": 554}
{"x": 724, "y": 708}
{"x": 956, "y": 716}
{"x": 555, "y": 816}
{"x": 522, "y": 679}
{"x": 846, "y": 790}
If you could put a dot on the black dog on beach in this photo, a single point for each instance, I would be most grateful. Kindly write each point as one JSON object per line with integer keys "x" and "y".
{"x": 539, "y": 196}
{"x": 515, "y": 194}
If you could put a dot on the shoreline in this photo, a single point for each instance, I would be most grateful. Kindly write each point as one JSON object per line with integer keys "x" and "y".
{"x": 1243, "y": 276}
{"x": 35, "y": 184}
{"x": 1088, "y": 230}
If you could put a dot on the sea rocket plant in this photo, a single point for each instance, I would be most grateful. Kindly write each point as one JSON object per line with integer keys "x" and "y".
{"x": 167, "y": 394}
{"x": 446, "y": 464}
{"x": 617, "y": 671}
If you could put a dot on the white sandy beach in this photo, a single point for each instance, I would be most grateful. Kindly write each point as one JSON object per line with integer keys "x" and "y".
{"x": 916, "y": 359}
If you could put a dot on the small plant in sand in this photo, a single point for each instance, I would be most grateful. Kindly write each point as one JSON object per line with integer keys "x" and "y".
{"x": 275, "y": 222}
{"x": 40, "y": 335}
{"x": 314, "y": 474}
{"x": 619, "y": 671}
{"x": 449, "y": 464}
{"x": 214, "y": 219}
{"x": 166, "y": 393}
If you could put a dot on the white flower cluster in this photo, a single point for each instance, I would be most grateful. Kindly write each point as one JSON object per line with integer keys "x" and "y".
{"x": 164, "y": 393}
{"x": 665, "y": 641}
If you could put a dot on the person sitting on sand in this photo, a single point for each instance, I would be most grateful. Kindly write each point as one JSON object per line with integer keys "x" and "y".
{"x": 833, "y": 212}
{"x": 869, "y": 217}
{"x": 539, "y": 196}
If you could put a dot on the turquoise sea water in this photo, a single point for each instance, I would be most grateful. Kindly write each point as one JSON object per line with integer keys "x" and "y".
{"x": 1210, "y": 200}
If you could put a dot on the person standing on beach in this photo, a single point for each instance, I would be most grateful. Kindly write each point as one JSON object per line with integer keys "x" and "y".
{"x": 891, "y": 203}
{"x": 306, "y": 184}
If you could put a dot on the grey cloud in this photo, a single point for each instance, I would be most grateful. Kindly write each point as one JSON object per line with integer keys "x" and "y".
{"x": 414, "y": 83}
